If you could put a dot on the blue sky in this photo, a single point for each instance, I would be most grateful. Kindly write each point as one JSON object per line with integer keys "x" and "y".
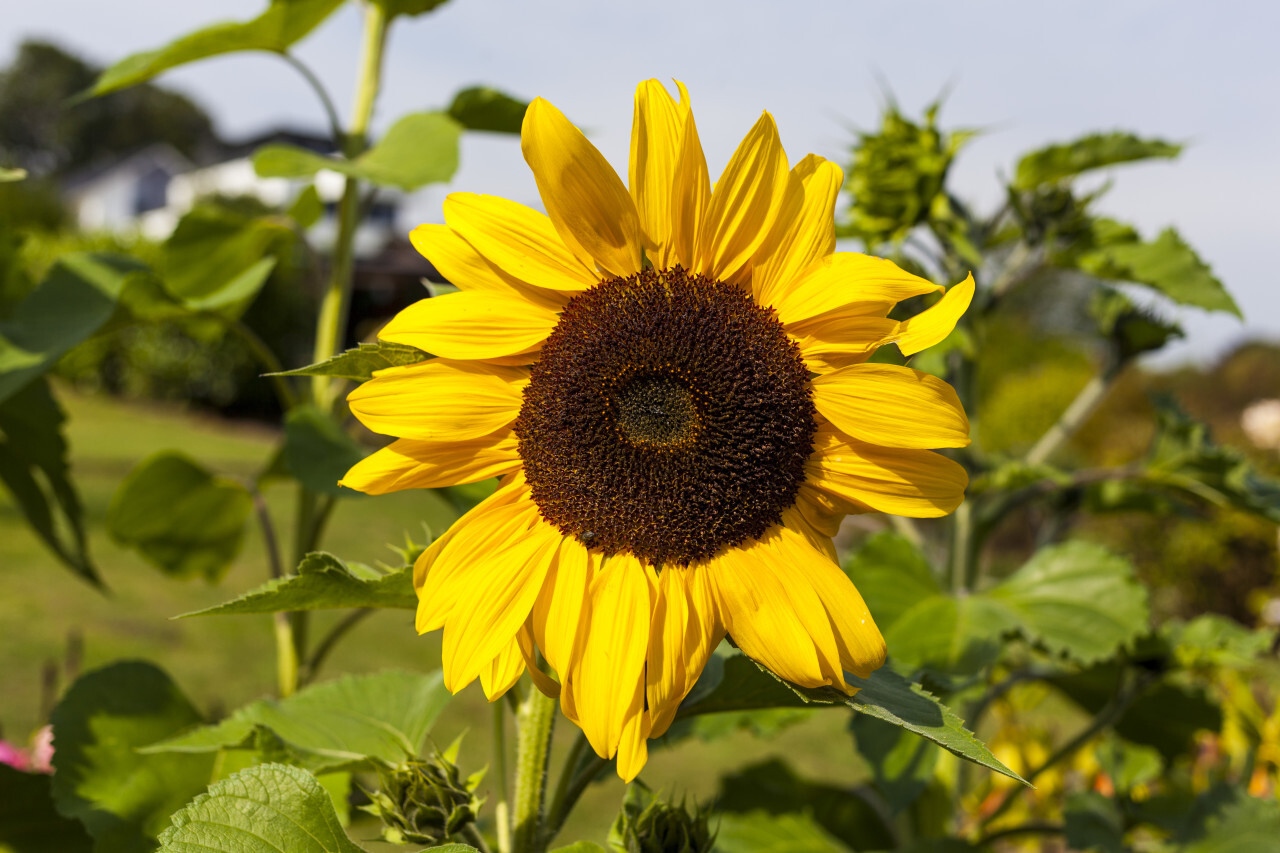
{"x": 1027, "y": 73}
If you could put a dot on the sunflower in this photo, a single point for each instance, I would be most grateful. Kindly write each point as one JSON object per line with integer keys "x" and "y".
{"x": 673, "y": 384}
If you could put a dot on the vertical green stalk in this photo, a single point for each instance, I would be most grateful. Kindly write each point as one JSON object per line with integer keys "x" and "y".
{"x": 534, "y": 724}
{"x": 334, "y": 304}
{"x": 502, "y": 809}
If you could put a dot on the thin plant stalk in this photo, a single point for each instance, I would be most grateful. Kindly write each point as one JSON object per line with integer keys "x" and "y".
{"x": 502, "y": 809}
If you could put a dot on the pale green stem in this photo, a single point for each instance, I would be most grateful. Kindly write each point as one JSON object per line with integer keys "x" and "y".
{"x": 963, "y": 558}
{"x": 1074, "y": 416}
{"x": 534, "y": 725}
{"x": 332, "y": 322}
{"x": 502, "y": 810}
{"x": 330, "y": 111}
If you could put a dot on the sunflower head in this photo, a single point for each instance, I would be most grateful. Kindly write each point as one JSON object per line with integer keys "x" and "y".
{"x": 673, "y": 385}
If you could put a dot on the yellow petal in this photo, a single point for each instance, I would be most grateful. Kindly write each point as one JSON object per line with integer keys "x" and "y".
{"x": 848, "y": 283}
{"x": 746, "y": 202}
{"x": 684, "y": 633}
{"x": 773, "y": 619}
{"x": 584, "y": 197}
{"x": 892, "y": 406}
{"x": 410, "y": 464}
{"x": 441, "y": 568}
{"x": 548, "y": 685}
{"x": 519, "y": 241}
{"x": 472, "y": 325}
{"x": 501, "y": 584}
{"x": 503, "y": 671}
{"x": 936, "y": 322}
{"x": 655, "y": 147}
{"x": 440, "y": 400}
{"x": 793, "y": 518}
{"x": 609, "y": 677}
{"x": 830, "y": 346}
{"x": 916, "y": 483}
{"x": 633, "y": 745}
{"x": 690, "y": 190}
{"x": 465, "y": 268}
{"x": 810, "y": 235}
{"x": 560, "y": 615}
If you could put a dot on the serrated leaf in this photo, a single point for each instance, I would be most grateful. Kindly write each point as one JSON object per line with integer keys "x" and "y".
{"x": 737, "y": 683}
{"x": 179, "y": 516}
{"x": 354, "y": 722}
{"x": 218, "y": 260}
{"x": 360, "y": 363}
{"x": 318, "y": 452}
{"x": 268, "y": 808}
{"x": 29, "y": 823}
{"x": 74, "y": 300}
{"x": 1076, "y": 599}
{"x": 1249, "y": 824}
{"x": 761, "y": 832}
{"x": 283, "y": 23}
{"x": 901, "y": 765}
{"x": 487, "y": 109}
{"x": 1167, "y": 265}
{"x": 35, "y": 470}
{"x": 323, "y": 582}
{"x": 1096, "y": 151}
{"x": 419, "y": 149}
{"x": 123, "y": 797}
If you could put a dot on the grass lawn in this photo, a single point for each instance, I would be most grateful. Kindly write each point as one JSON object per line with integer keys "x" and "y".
{"x": 223, "y": 662}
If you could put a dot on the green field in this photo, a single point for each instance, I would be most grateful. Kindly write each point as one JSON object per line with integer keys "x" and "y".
{"x": 223, "y": 662}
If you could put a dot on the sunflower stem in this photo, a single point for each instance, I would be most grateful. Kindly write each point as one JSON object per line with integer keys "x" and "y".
{"x": 502, "y": 809}
{"x": 534, "y": 724}
{"x": 1075, "y": 415}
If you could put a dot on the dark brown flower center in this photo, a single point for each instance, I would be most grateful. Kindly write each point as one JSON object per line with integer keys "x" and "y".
{"x": 668, "y": 415}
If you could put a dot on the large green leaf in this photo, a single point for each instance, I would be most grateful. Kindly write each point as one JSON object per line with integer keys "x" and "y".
{"x": 483, "y": 108}
{"x": 319, "y": 452}
{"x": 29, "y": 823}
{"x": 268, "y": 808}
{"x": 1248, "y": 825}
{"x": 218, "y": 260}
{"x": 419, "y": 149}
{"x": 179, "y": 516}
{"x": 774, "y": 788}
{"x": 1096, "y": 151}
{"x": 1076, "y": 599}
{"x": 1093, "y": 822}
{"x": 75, "y": 299}
{"x": 123, "y": 797}
{"x": 762, "y": 832}
{"x": 323, "y": 582}
{"x": 736, "y": 683}
{"x": 1167, "y": 265}
{"x": 354, "y": 722}
{"x": 360, "y": 363}
{"x": 35, "y": 470}
{"x": 283, "y": 23}
{"x": 901, "y": 765}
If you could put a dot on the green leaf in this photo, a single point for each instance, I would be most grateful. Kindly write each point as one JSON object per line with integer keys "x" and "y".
{"x": 267, "y": 808}
{"x": 283, "y": 23}
{"x": 179, "y": 516}
{"x": 7, "y": 175}
{"x": 408, "y": 7}
{"x": 354, "y": 722}
{"x": 1167, "y": 265}
{"x": 1248, "y": 825}
{"x": 483, "y": 108}
{"x": 901, "y": 765}
{"x": 580, "y": 847}
{"x": 419, "y": 149}
{"x": 29, "y": 823}
{"x": 773, "y": 787}
{"x": 73, "y": 302}
{"x": 323, "y": 582}
{"x": 307, "y": 208}
{"x": 761, "y": 832}
{"x": 737, "y": 683}
{"x": 360, "y": 363}
{"x": 123, "y": 797}
{"x": 1076, "y": 599}
{"x": 1096, "y": 151}
{"x": 319, "y": 452}
{"x": 218, "y": 260}
{"x": 35, "y": 470}
{"x": 1093, "y": 822}
{"x": 1211, "y": 640}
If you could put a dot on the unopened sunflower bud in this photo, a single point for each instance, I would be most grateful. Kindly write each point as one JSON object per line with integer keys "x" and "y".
{"x": 647, "y": 824}
{"x": 424, "y": 802}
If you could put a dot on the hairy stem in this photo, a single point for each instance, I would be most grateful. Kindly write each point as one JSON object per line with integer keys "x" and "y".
{"x": 534, "y": 724}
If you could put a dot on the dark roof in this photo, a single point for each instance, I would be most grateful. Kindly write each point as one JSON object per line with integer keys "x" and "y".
{"x": 282, "y": 135}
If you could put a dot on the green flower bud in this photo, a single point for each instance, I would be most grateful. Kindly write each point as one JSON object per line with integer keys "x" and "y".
{"x": 647, "y": 824}
{"x": 424, "y": 801}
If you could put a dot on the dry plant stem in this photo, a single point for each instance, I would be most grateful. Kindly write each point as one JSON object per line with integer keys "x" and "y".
{"x": 502, "y": 809}
{"x": 534, "y": 724}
